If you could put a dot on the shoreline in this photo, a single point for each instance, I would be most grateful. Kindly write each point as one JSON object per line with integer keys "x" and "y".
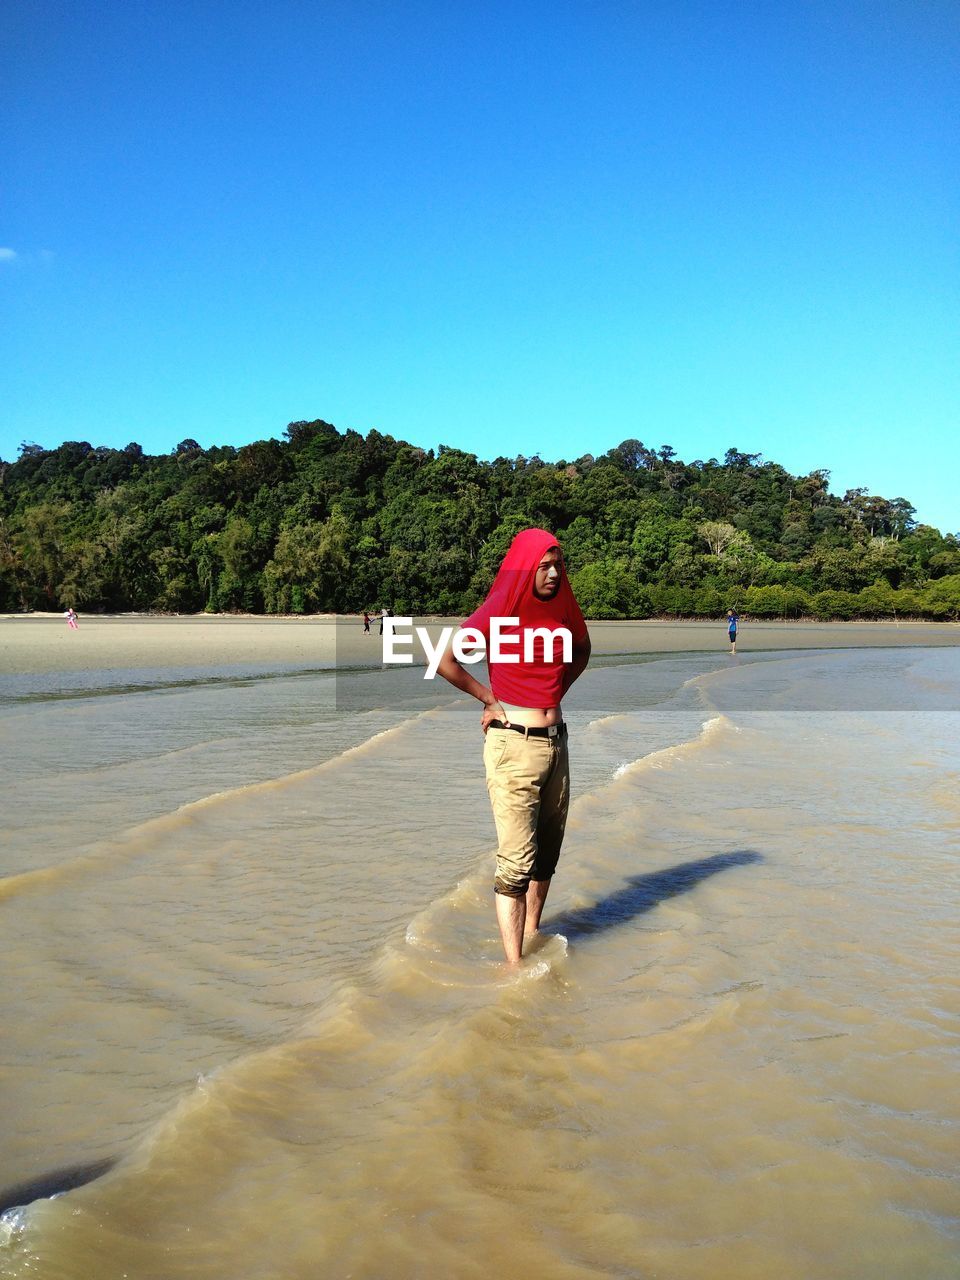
{"x": 356, "y": 619}
{"x": 35, "y": 644}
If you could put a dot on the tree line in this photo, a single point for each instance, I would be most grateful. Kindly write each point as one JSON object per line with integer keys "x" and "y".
{"x": 324, "y": 521}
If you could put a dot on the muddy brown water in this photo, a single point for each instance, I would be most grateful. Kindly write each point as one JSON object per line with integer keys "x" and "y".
{"x": 252, "y": 967}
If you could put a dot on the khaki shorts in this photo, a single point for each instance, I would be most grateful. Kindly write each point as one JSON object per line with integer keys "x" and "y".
{"x": 529, "y": 784}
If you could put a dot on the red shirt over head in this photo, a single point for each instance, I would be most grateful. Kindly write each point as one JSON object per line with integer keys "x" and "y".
{"x": 538, "y": 683}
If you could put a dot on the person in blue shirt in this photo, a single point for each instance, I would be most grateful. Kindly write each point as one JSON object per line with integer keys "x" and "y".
{"x": 732, "y": 621}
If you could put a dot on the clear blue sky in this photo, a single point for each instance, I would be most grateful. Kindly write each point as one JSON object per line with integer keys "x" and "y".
{"x": 510, "y": 227}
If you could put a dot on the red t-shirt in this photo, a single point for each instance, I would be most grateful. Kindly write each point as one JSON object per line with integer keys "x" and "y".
{"x": 538, "y": 683}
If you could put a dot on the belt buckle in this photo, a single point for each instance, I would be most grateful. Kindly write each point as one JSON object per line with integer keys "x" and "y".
{"x": 553, "y": 730}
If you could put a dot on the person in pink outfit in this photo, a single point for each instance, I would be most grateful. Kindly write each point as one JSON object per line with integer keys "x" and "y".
{"x": 525, "y": 746}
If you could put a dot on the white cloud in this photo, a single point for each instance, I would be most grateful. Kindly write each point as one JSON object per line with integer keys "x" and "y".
{"x": 7, "y": 255}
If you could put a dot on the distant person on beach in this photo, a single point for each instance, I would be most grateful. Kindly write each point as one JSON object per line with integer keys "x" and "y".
{"x": 525, "y": 746}
{"x": 366, "y": 623}
{"x": 384, "y": 613}
{"x": 71, "y": 618}
{"x": 732, "y": 621}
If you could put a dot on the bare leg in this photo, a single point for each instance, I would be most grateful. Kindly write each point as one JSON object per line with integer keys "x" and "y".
{"x": 511, "y": 914}
{"x": 536, "y": 897}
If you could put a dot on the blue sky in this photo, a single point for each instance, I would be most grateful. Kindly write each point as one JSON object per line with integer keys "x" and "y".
{"x": 512, "y": 228}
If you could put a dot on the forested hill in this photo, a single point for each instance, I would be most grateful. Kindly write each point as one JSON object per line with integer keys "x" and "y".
{"x": 325, "y": 521}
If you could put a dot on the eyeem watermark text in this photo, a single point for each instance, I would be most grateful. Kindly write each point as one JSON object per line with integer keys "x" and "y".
{"x": 470, "y": 646}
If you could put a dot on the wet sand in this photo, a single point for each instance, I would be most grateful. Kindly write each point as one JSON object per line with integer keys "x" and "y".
{"x": 42, "y": 643}
{"x": 255, "y": 971}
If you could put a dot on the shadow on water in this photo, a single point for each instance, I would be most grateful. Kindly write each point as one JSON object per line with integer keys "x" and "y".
{"x": 52, "y": 1184}
{"x": 643, "y": 893}
{"x": 639, "y": 894}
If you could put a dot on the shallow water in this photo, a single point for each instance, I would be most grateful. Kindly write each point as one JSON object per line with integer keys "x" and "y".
{"x": 253, "y": 958}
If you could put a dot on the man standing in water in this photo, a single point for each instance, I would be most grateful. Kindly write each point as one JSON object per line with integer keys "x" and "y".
{"x": 525, "y": 747}
{"x": 733, "y": 621}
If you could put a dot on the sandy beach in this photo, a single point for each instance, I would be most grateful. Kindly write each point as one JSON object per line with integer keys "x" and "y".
{"x": 42, "y": 643}
{"x": 245, "y": 885}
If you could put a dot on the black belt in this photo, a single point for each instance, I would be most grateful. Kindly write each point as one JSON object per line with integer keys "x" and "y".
{"x": 547, "y": 731}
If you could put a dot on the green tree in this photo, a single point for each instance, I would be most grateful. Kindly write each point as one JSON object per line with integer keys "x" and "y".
{"x": 717, "y": 535}
{"x": 834, "y": 604}
{"x": 941, "y": 599}
{"x": 324, "y": 519}
{"x": 609, "y": 590}
{"x": 308, "y": 570}
{"x": 47, "y": 553}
